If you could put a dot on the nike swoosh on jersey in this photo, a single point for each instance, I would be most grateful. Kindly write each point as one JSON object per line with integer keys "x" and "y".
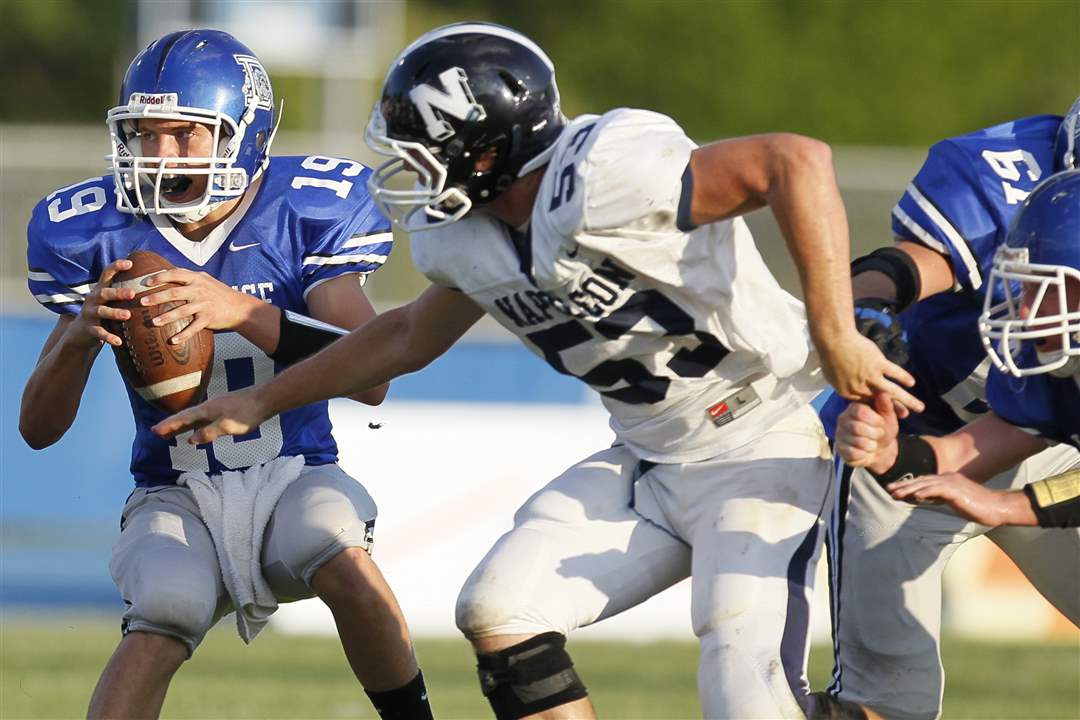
{"x": 233, "y": 247}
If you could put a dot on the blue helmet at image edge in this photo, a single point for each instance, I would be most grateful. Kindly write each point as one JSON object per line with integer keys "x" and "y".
{"x": 1067, "y": 143}
{"x": 1049, "y": 222}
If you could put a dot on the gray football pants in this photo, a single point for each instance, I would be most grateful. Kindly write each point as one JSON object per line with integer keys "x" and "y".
{"x": 167, "y": 570}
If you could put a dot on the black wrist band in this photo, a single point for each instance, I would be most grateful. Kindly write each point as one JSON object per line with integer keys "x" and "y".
{"x": 301, "y": 336}
{"x": 914, "y": 457}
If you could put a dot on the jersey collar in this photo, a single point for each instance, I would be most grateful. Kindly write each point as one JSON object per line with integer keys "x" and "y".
{"x": 199, "y": 252}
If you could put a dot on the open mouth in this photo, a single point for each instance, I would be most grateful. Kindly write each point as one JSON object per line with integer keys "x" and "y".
{"x": 175, "y": 188}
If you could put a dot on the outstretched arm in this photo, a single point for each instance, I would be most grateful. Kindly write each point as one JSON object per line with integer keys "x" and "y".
{"x": 397, "y": 342}
{"x": 867, "y": 436}
{"x": 793, "y": 175}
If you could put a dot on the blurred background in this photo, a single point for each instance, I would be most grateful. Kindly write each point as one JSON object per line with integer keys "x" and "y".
{"x": 460, "y": 445}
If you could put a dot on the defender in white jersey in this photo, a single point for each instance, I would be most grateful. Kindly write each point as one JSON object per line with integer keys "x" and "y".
{"x": 194, "y": 182}
{"x": 611, "y": 246}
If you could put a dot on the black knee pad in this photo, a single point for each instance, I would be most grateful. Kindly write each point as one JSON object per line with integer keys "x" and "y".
{"x": 529, "y": 677}
{"x": 827, "y": 707}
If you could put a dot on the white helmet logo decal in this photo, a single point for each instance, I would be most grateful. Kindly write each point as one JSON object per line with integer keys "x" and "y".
{"x": 456, "y": 100}
{"x": 256, "y": 82}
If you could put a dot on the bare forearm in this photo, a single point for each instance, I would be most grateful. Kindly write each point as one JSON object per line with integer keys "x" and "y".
{"x": 52, "y": 395}
{"x": 1015, "y": 508}
{"x": 359, "y": 361}
{"x": 808, "y": 208}
{"x": 261, "y": 325}
{"x": 984, "y": 448}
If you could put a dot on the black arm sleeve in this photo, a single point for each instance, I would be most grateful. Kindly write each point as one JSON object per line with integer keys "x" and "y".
{"x": 302, "y": 336}
{"x": 900, "y": 268}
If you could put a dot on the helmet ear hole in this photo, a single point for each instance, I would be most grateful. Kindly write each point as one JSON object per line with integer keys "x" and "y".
{"x": 260, "y": 140}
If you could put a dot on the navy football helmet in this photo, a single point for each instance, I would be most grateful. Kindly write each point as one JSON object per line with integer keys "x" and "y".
{"x": 1041, "y": 254}
{"x": 1067, "y": 146}
{"x": 462, "y": 93}
{"x": 203, "y": 76}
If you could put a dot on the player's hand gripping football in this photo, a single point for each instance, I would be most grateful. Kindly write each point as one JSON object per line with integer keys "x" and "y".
{"x": 235, "y": 413}
{"x": 857, "y": 370}
{"x": 88, "y": 327}
{"x": 968, "y": 498}
{"x": 866, "y": 436}
{"x": 209, "y": 302}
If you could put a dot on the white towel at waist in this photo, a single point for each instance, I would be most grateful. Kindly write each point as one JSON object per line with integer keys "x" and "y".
{"x": 236, "y": 506}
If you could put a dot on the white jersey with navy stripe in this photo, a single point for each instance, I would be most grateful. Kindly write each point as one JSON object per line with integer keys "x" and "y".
{"x": 692, "y": 344}
{"x": 307, "y": 221}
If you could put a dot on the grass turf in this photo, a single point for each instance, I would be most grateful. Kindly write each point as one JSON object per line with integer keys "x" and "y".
{"x": 48, "y": 668}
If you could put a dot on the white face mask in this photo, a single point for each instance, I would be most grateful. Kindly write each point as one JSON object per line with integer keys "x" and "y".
{"x": 429, "y": 203}
{"x": 1003, "y": 330}
{"x": 140, "y": 178}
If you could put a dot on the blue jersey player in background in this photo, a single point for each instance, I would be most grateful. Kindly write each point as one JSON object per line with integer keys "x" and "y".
{"x": 887, "y": 557}
{"x": 263, "y": 248}
{"x": 1033, "y": 337}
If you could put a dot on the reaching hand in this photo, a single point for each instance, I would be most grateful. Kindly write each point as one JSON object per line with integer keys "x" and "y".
{"x": 236, "y": 413}
{"x": 89, "y": 326}
{"x": 866, "y": 436}
{"x": 968, "y": 498}
{"x": 857, "y": 370}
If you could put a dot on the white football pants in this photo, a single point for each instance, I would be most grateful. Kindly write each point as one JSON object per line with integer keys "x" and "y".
{"x": 612, "y": 531}
{"x": 887, "y": 558}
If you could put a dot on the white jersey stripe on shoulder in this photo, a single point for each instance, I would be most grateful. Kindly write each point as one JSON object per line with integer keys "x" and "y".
{"x": 918, "y": 230}
{"x": 955, "y": 237}
{"x": 58, "y": 299}
{"x": 37, "y": 276}
{"x": 343, "y": 259}
{"x": 361, "y": 240}
{"x": 483, "y": 29}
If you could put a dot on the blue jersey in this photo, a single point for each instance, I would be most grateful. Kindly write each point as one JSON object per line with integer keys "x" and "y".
{"x": 961, "y": 204}
{"x": 1040, "y": 404}
{"x": 309, "y": 220}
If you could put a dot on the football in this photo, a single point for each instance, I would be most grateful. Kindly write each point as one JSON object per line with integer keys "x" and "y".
{"x": 170, "y": 377}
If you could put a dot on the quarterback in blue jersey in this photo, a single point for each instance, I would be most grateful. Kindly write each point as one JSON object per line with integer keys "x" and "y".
{"x": 271, "y": 254}
{"x": 922, "y": 299}
{"x": 1033, "y": 338}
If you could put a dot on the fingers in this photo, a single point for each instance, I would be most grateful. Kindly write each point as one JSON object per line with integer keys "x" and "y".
{"x": 178, "y": 276}
{"x": 926, "y": 489}
{"x": 111, "y": 270}
{"x": 207, "y": 434}
{"x": 899, "y": 396}
{"x": 178, "y": 423}
{"x": 193, "y": 328}
{"x": 853, "y": 456}
{"x": 899, "y": 374}
{"x": 100, "y": 334}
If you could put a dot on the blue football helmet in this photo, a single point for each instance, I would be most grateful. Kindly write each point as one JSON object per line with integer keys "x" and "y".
{"x": 1038, "y": 265}
{"x": 202, "y": 76}
{"x": 457, "y": 94}
{"x": 1067, "y": 146}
